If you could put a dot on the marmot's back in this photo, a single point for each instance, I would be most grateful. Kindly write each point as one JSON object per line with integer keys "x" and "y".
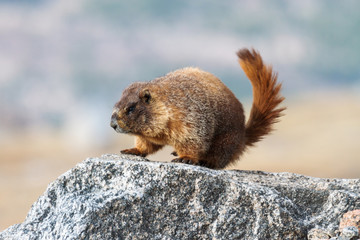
{"x": 195, "y": 90}
{"x": 194, "y": 112}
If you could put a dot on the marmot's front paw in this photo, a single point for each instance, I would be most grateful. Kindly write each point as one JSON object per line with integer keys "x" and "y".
{"x": 133, "y": 151}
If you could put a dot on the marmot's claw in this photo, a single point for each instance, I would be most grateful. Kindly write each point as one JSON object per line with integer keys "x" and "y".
{"x": 185, "y": 160}
{"x": 133, "y": 151}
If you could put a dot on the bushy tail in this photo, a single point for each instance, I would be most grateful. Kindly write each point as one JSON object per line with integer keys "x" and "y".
{"x": 266, "y": 93}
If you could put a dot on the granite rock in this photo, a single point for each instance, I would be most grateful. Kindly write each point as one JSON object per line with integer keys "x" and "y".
{"x": 128, "y": 197}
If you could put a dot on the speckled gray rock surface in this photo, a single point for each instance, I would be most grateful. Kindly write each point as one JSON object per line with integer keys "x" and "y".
{"x": 125, "y": 197}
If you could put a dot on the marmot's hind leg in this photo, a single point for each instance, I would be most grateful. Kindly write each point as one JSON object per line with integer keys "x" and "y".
{"x": 225, "y": 149}
{"x": 185, "y": 160}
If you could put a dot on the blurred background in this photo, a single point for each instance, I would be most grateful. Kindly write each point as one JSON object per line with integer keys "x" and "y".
{"x": 65, "y": 63}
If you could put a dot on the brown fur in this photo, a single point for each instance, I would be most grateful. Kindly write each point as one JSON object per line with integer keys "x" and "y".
{"x": 194, "y": 112}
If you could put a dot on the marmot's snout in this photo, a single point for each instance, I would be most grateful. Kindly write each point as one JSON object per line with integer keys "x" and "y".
{"x": 113, "y": 122}
{"x": 117, "y": 124}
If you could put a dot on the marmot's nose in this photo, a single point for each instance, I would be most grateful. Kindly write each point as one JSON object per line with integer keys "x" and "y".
{"x": 113, "y": 123}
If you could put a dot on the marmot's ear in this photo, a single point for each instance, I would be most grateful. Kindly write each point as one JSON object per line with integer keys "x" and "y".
{"x": 145, "y": 95}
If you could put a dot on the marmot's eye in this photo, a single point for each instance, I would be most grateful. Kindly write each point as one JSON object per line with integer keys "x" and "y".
{"x": 130, "y": 109}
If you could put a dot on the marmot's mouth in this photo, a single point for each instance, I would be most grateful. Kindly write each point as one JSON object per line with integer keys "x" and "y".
{"x": 120, "y": 130}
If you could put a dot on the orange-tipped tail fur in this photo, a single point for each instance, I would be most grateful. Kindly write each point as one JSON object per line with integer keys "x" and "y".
{"x": 266, "y": 96}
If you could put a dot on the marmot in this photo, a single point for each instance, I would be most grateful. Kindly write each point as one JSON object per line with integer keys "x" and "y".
{"x": 194, "y": 112}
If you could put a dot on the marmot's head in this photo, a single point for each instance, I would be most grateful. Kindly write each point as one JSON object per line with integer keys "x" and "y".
{"x": 139, "y": 112}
